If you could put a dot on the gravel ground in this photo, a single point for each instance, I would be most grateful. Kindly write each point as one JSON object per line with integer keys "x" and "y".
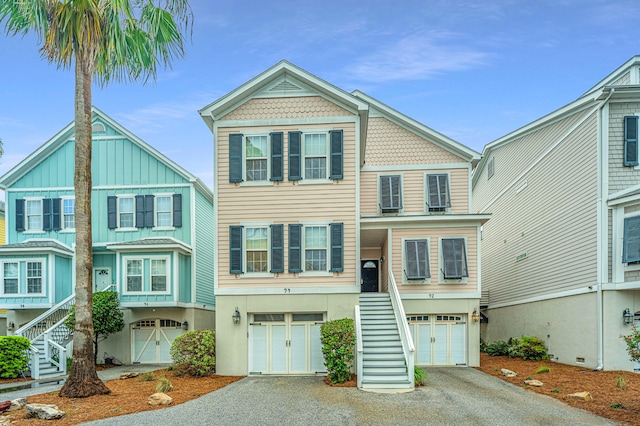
{"x": 452, "y": 396}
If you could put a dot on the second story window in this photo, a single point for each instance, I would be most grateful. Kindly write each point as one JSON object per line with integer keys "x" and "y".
{"x": 34, "y": 277}
{"x": 315, "y": 248}
{"x": 163, "y": 211}
{"x": 134, "y": 275}
{"x": 10, "y": 278}
{"x": 34, "y": 215}
{"x": 438, "y": 199}
{"x": 257, "y": 243}
{"x": 315, "y": 156}
{"x": 68, "y": 213}
{"x": 256, "y": 158}
{"x": 416, "y": 259}
{"x": 390, "y": 193}
{"x": 631, "y": 242}
{"x": 125, "y": 212}
{"x": 454, "y": 257}
{"x": 158, "y": 274}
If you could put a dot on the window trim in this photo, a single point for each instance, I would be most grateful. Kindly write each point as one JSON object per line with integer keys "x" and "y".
{"x": 391, "y": 211}
{"x": 2, "y": 286}
{"x": 133, "y": 212}
{"x": 246, "y": 273}
{"x": 27, "y": 230}
{"x": 440, "y": 209}
{"x": 41, "y": 277}
{"x": 156, "y": 211}
{"x": 303, "y": 248}
{"x": 146, "y": 272}
{"x": 63, "y": 228}
{"x": 327, "y": 156}
{"x": 413, "y": 281}
{"x": 267, "y": 181}
{"x": 441, "y": 262}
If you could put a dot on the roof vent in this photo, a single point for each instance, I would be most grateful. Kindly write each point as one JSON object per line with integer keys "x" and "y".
{"x": 285, "y": 86}
{"x": 98, "y": 128}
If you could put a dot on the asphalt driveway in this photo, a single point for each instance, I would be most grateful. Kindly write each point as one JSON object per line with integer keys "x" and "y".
{"x": 453, "y": 396}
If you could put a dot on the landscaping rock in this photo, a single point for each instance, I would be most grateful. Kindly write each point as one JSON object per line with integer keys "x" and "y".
{"x": 44, "y": 411}
{"x": 533, "y": 382}
{"x": 4, "y": 406}
{"x": 129, "y": 375}
{"x": 160, "y": 399}
{"x": 17, "y": 404}
{"x": 5, "y": 421}
{"x": 508, "y": 373}
{"x": 584, "y": 396}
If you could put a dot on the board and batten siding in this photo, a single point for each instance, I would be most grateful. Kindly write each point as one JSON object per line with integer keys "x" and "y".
{"x": 434, "y": 234}
{"x": 63, "y": 278}
{"x": 414, "y": 190}
{"x": 621, "y": 177}
{"x": 389, "y": 144}
{"x": 512, "y": 158}
{"x": 287, "y": 202}
{"x": 203, "y": 251}
{"x": 541, "y": 238}
{"x": 286, "y": 107}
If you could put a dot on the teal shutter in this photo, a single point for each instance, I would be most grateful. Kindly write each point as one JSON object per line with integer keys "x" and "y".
{"x": 631, "y": 140}
{"x": 337, "y": 247}
{"x": 277, "y": 157}
{"x": 631, "y": 246}
{"x": 337, "y": 148}
{"x": 455, "y": 258}
{"x": 20, "y": 215}
{"x": 139, "y": 211}
{"x": 56, "y": 208}
{"x": 148, "y": 211}
{"x": 46, "y": 214}
{"x": 235, "y": 249}
{"x": 235, "y": 158}
{"x": 177, "y": 210}
{"x": 295, "y": 248}
{"x": 277, "y": 248}
{"x": 295, "y": 155}
{"x": 416, "y": 260}
{"x": 112, "y": 212}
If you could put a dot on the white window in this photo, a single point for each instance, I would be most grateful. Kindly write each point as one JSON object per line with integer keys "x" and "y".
{"x": 34, "y": 215}
{"x": 68, "y": 213}
{"x": 34, "y": 277}
{"x": 164, "y": 211}
{"x": 315, "y": 248}
{"x": 257, "y": 249}
{"x": 159, "y": 276}
{"x": 256, "y": 155}
{"x": 133, "y": 277}
{"x": 10, "y": 277}
{"x": 126, "y": 212}
{"x": 315, "y": 148}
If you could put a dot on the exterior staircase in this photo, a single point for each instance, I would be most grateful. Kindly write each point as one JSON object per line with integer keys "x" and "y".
{"x": 384, "y": 363}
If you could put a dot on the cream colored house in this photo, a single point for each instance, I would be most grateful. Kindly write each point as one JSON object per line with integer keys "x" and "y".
{"x": 561, "y": 253}
{"x": 330, "y": 204}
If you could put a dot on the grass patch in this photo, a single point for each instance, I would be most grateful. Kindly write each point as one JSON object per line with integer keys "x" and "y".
{"x": 542, "y": 369}
{"x": 621, "y": 383}
{"x": 419, "y": 376}
{"x": 146, "y": 377}
{"x": 164, "y": 385}
{"x": 616, "y": 405}
{"x": 555, "y": 390}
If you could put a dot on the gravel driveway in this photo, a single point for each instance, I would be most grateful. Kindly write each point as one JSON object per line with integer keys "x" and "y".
{"x": 452, "y": 396}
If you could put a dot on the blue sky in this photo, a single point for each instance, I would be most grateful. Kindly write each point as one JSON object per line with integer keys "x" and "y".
{"x": 473, "y": 70}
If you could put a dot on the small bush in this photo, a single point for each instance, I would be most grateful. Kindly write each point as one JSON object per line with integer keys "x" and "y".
{"x": 14, "y": 357}
{"x": 164, "y": 385}
{"x": 542, "y": 369}
{"x": 194, "y": 353}
{"x": 146, "y": 377}
{"x": 532, "y": 348}
{"x": 419, "y": 376}
{"x": 621, "y": 383}
{"x": 338, "y": 338}
{"x": 499, "y": 348}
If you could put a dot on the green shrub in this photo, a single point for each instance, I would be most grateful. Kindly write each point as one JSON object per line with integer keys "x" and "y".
{"x": 194, "y": 353}
{"x": 164, "y": 385}
{"x": 338, "y": 338}
{"x": 531, "y": 348}
{"x": 499, "y": 348}
{"x": 147, "y": 377}
{"x": 419, "y": 376}
{"x": 14, "y": 357}
{"x": 542, "y": 369}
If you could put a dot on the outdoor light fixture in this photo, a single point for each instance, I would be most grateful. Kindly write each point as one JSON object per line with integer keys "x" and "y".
{"x": 475, "y": 316}
{"x": 236, "y": 316}
{"x": 11, "y": 326}
{"x": 185, "y": 325}
{"x": 627, "y": 316}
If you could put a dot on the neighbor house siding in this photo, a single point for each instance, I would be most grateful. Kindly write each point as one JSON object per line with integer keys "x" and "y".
{"x": 184, "y": 279}
{"x": 541, "y": 241}
{"x": 204, "y": 244}
{"x": 620, "y": 177}
{"x": 287, "y": 107}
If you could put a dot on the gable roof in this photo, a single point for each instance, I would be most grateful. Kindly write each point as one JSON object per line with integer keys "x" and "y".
{"x": 67, "y": 133}
{"x": 599, "y": 94}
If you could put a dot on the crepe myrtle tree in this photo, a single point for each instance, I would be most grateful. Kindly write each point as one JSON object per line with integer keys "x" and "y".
{"x": 104, "y": 40}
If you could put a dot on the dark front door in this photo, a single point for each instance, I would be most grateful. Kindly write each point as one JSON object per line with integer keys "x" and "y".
{"x": 369, "y": 276}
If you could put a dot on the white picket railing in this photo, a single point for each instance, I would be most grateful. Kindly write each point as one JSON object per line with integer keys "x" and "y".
{"x": 403, "y": 327}
{"x": 359, "y": 347}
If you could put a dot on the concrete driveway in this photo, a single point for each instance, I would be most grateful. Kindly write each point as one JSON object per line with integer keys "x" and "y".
{"x": 452, "y": 396}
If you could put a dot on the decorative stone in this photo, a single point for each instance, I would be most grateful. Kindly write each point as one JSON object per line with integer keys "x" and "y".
{"x": 43, "y": 411}
{"x": 4, "y": 406}
{"x": 508, "y": 373}
{"x": 129, "y": 375}
{"x": 17, "y": 404}
{"x": 5, "y": 421}
{"x": 160, "y": 399}
{"x": 533, "y": 382}
{"x": 584, "y": 396}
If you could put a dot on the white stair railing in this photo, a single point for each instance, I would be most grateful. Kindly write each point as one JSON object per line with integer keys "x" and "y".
{"x": 403, "y": 327}
{"x": 359, "y": 347}
{"x": 34, "y": 328}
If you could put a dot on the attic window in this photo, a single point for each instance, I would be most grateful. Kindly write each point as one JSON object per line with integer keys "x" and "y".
{"x": 98, "y": 128}
{"x": 490, "y": 168}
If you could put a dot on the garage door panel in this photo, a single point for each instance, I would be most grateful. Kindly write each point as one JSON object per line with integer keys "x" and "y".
{"x": 298, "y": 349}
{"x": 424, "y": 343}
{"x": 440, "y": 350}
{"x": 317, "y": 359}
{"x": 258, "y": 346}
{"x": 458, "y": 345}
{"x": 144, "y": 345}
{"x": 278, "y": 349}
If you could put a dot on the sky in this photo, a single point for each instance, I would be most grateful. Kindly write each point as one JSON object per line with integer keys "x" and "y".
{"x": 472, "y": 70}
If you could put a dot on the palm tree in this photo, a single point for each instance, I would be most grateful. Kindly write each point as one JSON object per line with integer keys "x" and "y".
{"x": 121, "y": 40}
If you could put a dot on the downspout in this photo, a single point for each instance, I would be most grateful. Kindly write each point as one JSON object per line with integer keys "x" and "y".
{"x": 603, "y": 262}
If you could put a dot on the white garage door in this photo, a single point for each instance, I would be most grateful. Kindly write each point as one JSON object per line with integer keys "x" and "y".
{"x": 439, "y": 339}
{"x": 151, "y": 340}
{"x": 285, "y": 344}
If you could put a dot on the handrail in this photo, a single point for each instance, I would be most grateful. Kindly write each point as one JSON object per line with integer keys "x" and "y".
{"x": 359, "y": 347}
{"x": 62, "y": 358}
{"x": 403, "y": 327}
{"x": 31, "y": 330}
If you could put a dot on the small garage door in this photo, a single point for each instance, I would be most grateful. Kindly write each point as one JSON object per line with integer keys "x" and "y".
{"x": 285, "y": 344}
{"x": 439, "y": 339}
{"x": 151, "y": 340}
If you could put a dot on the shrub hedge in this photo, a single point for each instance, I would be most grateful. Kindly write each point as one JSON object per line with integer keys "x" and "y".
{"x": 14, "y": 357}
{"x": 338, "y": 338}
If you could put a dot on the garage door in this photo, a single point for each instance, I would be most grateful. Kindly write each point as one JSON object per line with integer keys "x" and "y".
{"x": 439, "y": 339}
{"x": 151, "y": 340}
{"x": 285, "y": 344}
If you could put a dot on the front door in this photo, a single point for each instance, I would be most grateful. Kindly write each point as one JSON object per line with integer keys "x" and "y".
{"x": 369, "y": 276}
{"x": 101, "y": 279}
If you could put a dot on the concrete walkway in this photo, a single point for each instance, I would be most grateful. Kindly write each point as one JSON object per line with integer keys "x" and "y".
{"x": 452, "y": 396}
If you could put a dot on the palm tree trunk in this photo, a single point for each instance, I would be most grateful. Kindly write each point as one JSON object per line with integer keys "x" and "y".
{"x": 83, "y": 380}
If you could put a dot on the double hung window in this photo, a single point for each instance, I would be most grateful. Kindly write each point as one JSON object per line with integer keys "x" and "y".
{"x": 10, "y": 278}
{"x": 256, "y": 249}
{"x": 257, "y": 243}
{"x": 163, "y": 211}
{"x": 158, "y": 275}
{"x": 315, "y": 248}
{"x": 315, "y": 156}
{"x": 125, "y": 212}
{"x": 34, "y": 215}
{"x": 34, "y": 277}
{"x": 256, "y": 158}
{"x": 134, "y": 275}
{"x": 69, "y": 213}
{"x": 144, "y": 211}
